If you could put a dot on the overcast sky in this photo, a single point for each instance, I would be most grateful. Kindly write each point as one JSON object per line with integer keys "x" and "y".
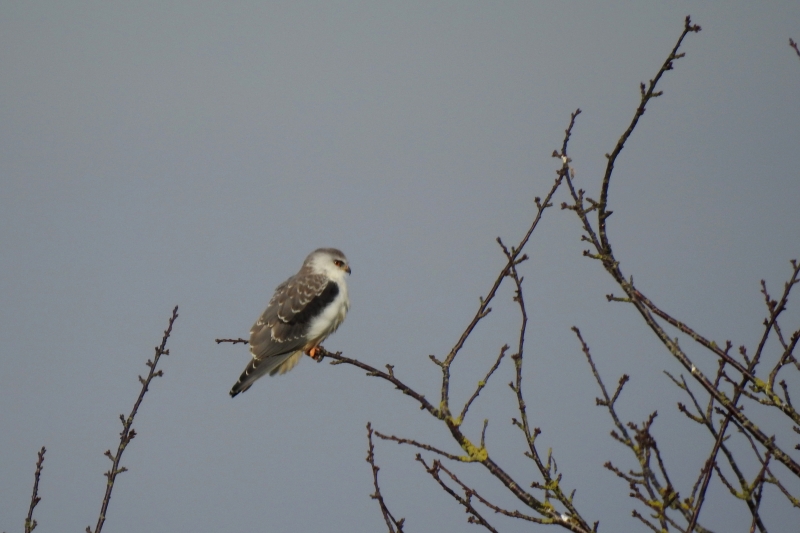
{"x": 193, "y": 153}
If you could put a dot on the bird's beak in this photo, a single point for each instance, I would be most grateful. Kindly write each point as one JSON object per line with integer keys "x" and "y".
{"x": 347, "y": 269}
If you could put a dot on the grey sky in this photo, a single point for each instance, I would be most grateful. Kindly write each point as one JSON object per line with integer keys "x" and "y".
{"x": 193, "y": 153}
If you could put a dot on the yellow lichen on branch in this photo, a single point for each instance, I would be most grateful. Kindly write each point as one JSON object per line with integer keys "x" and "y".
{"x": 474, "y": 453}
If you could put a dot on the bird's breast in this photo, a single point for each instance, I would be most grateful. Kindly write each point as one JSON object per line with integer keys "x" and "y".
{"x": 331, "y": 316}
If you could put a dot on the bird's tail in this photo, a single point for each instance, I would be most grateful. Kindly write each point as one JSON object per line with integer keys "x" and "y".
{"x": 278, "y": 364}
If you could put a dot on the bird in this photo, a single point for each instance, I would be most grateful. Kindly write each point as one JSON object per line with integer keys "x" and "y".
{"x": 303, "y": 312}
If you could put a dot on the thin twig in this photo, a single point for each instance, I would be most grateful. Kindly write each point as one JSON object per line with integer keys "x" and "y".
{"x": 30, "y": 523}
{"x": 657, "y": 496}
{"x": 606, "y": 400}
{"x": 551, "y": 486}
{"x": 490, "y": 505}
{"x": 708, "y": 422}
{"x": 473, "y": 453}
{"x": 475, "y": 516}
{"x": 483, "y": 309}
{"x": 423, "y": 446}
{"x": 758, "y": 489}
{"x": 128, "y": 433}
{"x": 793, "y": 44}
{"x": 775, "y": 308}
{"x": 784, "y": 359}
{"x": 710, "y": 345}
{"x": 389, "y": 376}
{"x": 646, "y": 95}
{"x": 483, "y": 382}
{"x": 395, "y": 526}
{"x": 232, "y": 341}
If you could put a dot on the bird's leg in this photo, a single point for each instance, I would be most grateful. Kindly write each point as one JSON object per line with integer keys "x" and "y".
{"x": 312, "y": 352}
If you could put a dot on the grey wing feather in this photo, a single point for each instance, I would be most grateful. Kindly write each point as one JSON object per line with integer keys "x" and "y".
{"x": 281, "y": 328}
{"x": 258, "y": 367}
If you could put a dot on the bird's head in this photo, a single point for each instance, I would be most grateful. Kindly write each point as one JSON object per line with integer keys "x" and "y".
{"x": 329, "y": 261}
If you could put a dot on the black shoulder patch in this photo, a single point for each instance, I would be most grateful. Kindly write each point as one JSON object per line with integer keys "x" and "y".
{"x": 317, "y": 304}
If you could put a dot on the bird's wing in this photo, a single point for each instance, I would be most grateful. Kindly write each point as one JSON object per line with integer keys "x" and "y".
{"x": 283, "y": 326}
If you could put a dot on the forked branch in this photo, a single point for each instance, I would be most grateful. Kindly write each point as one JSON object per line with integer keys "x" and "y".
{"x": 393, "y": 525}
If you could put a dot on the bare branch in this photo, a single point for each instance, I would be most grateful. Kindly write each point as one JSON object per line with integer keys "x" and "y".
{"x": 483, "y": 382}
{"x": 606, "y": 400}
{"x": 128, "y": 433}
{"x": 466, "y": 500}
{"x": 423, "y": 446}
{"x": 389, "y": 376}
{"x": 513, "y": 257}
{"x": 395, "y": 526}
{"x": 776, "y": 308}
{"x": 232, "y": 341}
{"x": 710, "y": 345}
{"x": 30, "y": 523}
{"x": 473, "y": 453}
{"x": 647, "y": 95}
{"x": 497, "y": 509}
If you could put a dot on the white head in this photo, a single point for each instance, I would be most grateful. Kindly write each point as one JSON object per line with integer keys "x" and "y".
{"x": 328, "y": 261}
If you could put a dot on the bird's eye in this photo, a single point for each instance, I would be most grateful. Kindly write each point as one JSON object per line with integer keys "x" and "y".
{"x": 338, "y": 263}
